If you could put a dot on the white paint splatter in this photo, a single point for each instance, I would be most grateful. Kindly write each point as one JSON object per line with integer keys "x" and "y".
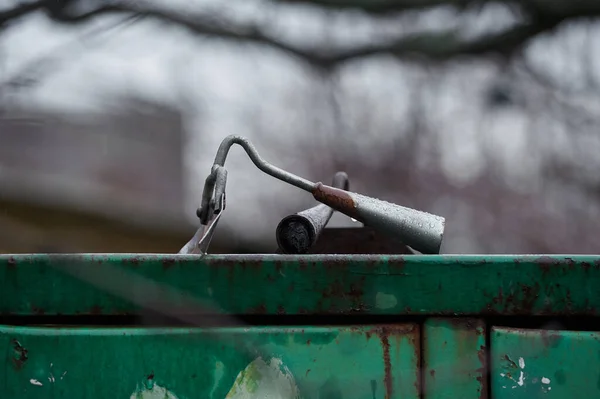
{"x": 33, "y": 381}
{"x": 265, "y": 380}
{"x": 51, "y": 377}
{"x": 521, "y": 381}
{"x": 523, "y": 376}
{"x": 63, "y": 375}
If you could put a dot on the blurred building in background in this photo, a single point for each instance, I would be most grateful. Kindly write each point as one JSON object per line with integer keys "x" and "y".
{"x": 84, "y": 182}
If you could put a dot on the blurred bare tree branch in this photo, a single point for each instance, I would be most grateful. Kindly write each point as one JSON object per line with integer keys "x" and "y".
{"x": 534, "y": 17}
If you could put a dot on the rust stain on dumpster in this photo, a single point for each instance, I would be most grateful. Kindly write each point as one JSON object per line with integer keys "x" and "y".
{"x": 482, "y": 372}
{"x": 168, "y": 263}
{"x": 384, "y": 333}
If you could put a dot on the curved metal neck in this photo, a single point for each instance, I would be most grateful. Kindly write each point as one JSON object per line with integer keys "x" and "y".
{"x": 260, "y": 163}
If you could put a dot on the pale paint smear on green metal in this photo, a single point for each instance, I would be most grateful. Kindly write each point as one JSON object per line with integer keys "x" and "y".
{"x": 265, "y": 379}
{"x": 259, "y": 380}
{"x": 155, "y": 392}
{"x": 385, "y": 301}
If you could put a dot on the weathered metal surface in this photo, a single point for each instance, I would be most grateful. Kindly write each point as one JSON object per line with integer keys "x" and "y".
{"x": 358, "y": 240}
{"x": 307, "y": 284}
{"x": 297, "y": 233}
{"x": 455, "y": 359}
{"x": 544, "y": 363}
{"x": 285, "y": 363}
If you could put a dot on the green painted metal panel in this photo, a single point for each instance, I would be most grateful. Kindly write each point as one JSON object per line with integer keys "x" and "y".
{"x": 330, "y": 284}
{"x": 544, "y": 364}
{"x": 454, "y": 359}
{"x": 309, "y": 362}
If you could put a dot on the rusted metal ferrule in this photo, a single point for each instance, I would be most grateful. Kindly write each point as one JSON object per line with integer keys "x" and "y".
{"x": 419, "y": 230}
{"x": 297, "y": 233}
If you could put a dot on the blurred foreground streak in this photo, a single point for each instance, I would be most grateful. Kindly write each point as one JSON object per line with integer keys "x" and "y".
{"x": 92, "y": 183}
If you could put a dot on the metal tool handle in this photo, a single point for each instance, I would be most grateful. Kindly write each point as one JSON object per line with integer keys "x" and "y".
{"x": 297, "y": 233}
{"x": 420, "y": 230}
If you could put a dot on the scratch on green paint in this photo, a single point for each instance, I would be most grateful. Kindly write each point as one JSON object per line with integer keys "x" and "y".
{"x": 219, "y": 373}
{"x": 266, "y": 380}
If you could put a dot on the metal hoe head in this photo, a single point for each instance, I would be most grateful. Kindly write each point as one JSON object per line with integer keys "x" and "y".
{"x": 420, "y": 230}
